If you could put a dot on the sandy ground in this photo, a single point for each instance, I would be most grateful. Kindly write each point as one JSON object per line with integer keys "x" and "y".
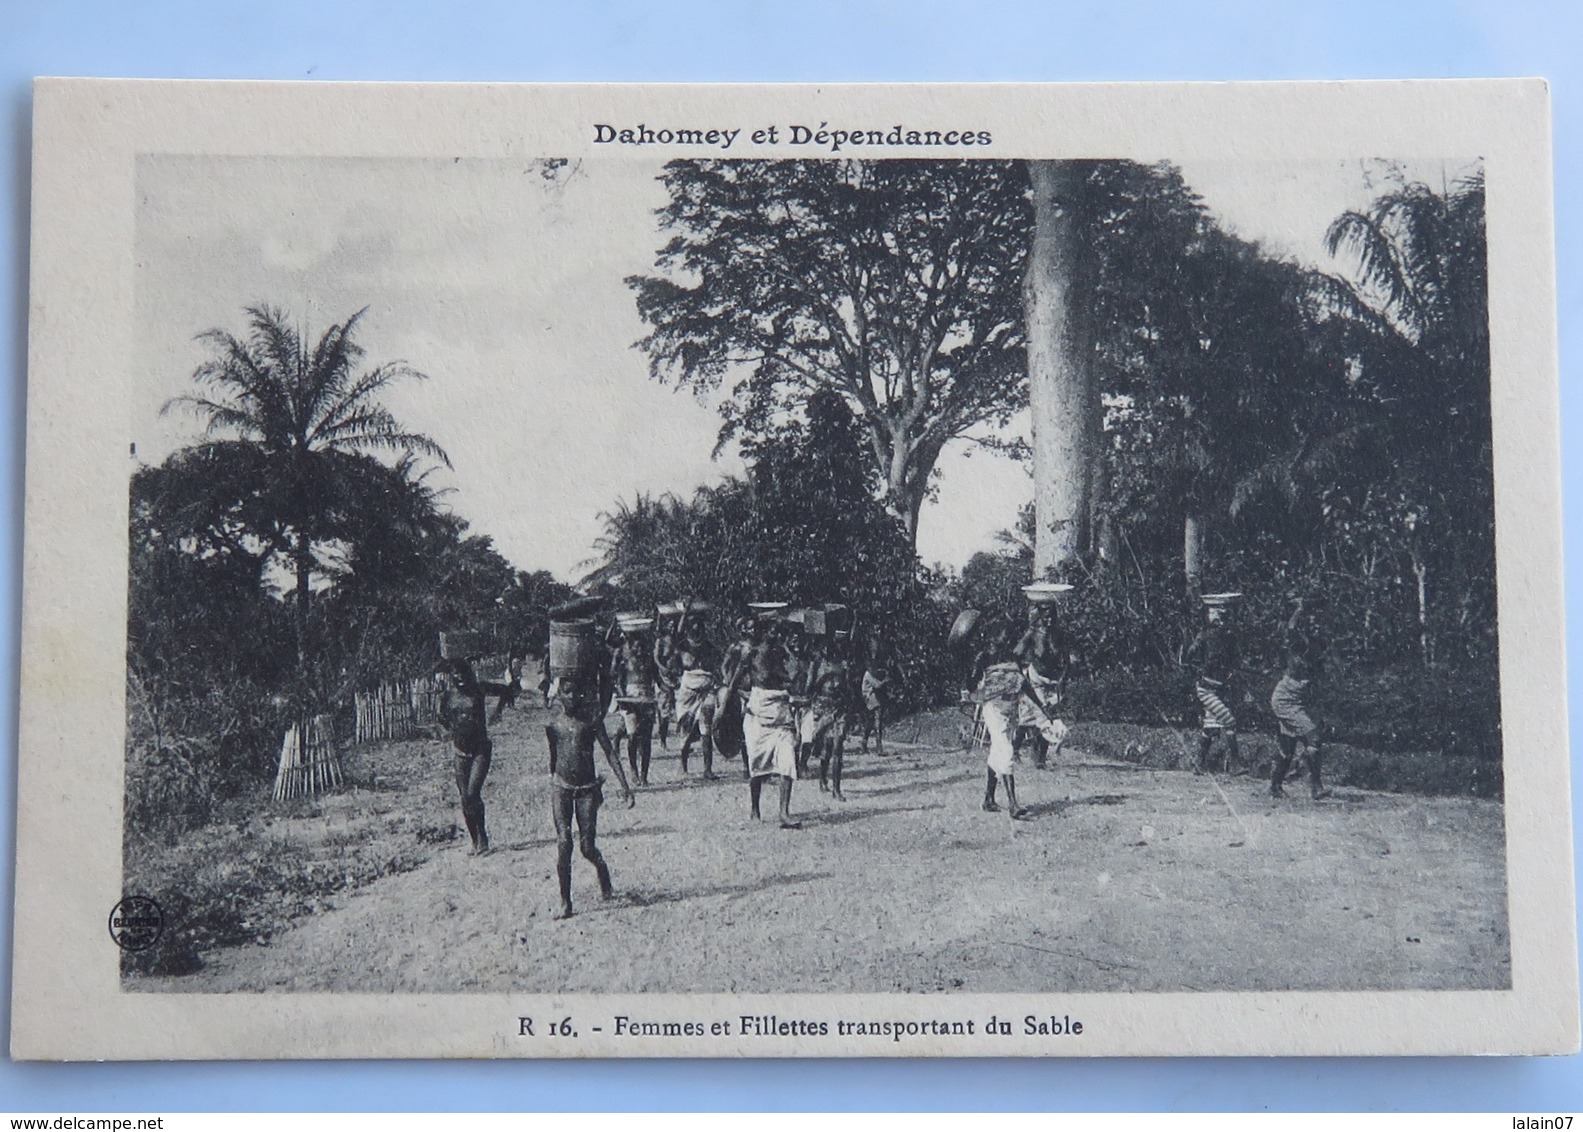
{"x": 1127, "y": 878}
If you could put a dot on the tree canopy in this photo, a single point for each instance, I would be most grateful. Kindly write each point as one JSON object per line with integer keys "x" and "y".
{"x": 892, "y": 283}
{"x": 290, "y": 427}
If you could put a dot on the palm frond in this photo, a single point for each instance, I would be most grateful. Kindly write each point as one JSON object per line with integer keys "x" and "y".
{"x": 397, "y": 442}
{"x": 278, "y": 349}
{"x": 1379, "y": 261}
{"x": 1272, "y": 479}
{"x": 234, "y": 367}
{"x": 218, "y": 417}
{"x": 334, "y": 360}
{"x": 332, "y": 416}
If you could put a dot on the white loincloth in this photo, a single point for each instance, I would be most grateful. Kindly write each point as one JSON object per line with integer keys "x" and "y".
{"x": 1036, "y": 710}
{"x": 1000, "y": 720}
{"x": 695, "y": 700}
{"x": 770, "y": 733}
{"x": 819, "y": 720}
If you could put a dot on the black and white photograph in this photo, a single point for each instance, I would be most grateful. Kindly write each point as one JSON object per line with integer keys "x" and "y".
{"x": 815, "y": 554}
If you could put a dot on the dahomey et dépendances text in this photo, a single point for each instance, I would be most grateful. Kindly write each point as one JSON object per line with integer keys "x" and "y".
{"x": 821, "y": 137}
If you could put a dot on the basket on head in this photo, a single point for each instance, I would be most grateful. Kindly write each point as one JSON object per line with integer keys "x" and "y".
{"x": 677, "y": 608}
{"x": 634, "y": 622}
{"x": 1046, "y": 593}
{"x": 573, "y": 646}
{"x": 577, "y": 607}
{"x": 831, "y": 617}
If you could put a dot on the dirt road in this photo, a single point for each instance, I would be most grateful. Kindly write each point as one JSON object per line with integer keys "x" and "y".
{"x": 1128, "y": 878}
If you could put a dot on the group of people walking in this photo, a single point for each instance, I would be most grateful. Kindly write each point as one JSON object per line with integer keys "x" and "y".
{"x": 1218, "y": 658}
{"x": 1021, "y": 676}
{"x": 1021, "y": 681}
{"x": 785, "y": 695}
{"x": 782, "y": 696}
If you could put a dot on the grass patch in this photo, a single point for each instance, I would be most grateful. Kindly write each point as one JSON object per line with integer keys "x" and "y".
{"x": 257, "y": 866}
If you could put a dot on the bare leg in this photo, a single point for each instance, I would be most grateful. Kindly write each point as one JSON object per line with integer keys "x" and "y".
{"x": 1283, "y": 762}
{"x": 645, "y": 753}
{"x": 463, "y": 772}
{"x": 481, "y": 834}
{"x": 562, "y": 803}
{"x": 1206, "y": 741}
{"x": 470, "y": 775}
{"x": 687, "y": 745}
{"x": 989, "y": 793}
{"x": 755, "y": 789}
{"x": 587, "y": 826}
{"x": 1316, "y": 789}
{"x": 786, "y": 791}
{"x": 836, "y": 742}
{"x": 632, "y": 751}
{"x": 1017, "y": 812}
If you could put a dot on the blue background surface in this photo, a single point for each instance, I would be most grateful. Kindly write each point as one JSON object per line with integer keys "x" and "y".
{"x": 805, "y": 40}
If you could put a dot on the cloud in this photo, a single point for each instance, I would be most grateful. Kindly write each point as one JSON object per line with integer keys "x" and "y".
{"x": 297, "y": 250}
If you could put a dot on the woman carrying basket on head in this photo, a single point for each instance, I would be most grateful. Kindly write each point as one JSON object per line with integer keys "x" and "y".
{"x": 1290, "y": 700}
{"x": 461, "y": 711}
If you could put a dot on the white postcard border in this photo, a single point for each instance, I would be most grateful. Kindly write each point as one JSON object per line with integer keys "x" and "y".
{"x": 68, "y": 1002}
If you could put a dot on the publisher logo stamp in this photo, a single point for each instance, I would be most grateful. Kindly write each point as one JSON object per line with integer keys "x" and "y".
{"x": 136, "y": 923}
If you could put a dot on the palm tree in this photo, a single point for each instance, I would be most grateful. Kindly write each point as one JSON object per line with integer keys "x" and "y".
{"x": 643, "y": 547}
{"x": 305, "y": 424}
{"x": 1294, "y": 481}
{"x": 1419, "y": 294}
{"x": 1420, "y": 258}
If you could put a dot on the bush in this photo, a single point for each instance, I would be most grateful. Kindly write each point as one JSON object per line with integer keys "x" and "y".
{"x": 189, "y": 748}
{"x": 168, "y": 788}
{"x": 1445, "y": 713}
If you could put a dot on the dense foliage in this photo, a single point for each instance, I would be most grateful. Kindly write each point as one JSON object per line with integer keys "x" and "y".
{"x": 280, "y": 565}
{"x": 1266, "y": 427}
{"x": 895, "y": 284}
{"x": 805, "y": 526}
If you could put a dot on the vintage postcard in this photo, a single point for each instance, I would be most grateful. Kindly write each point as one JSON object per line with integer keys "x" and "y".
{"x": 604, "y": 571}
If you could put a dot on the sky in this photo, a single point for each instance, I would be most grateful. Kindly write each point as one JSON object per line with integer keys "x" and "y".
{"x": 506, "y": 288}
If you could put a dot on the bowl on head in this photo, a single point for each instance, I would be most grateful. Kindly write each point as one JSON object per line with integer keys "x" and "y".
{"x": 1046, "y": 593}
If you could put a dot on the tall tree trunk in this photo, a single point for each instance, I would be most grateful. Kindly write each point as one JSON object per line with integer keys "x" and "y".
{"x": 1057, "y": 295}
{"x": 1368, "y": 597}
{"x": 1193, "y": 552}
{"x": 1426, "y": 644}
{"x": 302, "y": 559}
{"x": 910, "y": 463}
